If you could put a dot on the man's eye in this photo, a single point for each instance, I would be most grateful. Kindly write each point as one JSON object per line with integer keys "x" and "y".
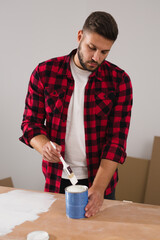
{"x": 92, "y": 48}
{"x": 104, "y": 52}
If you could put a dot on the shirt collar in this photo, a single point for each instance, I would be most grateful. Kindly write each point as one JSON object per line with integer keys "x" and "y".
{"x": 66, "y": 70}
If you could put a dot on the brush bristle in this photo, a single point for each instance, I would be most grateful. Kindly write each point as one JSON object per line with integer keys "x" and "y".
{"x": 73, "y": 179}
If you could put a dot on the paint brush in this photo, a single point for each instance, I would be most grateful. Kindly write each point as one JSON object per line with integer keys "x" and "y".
{"x": 67, "y": 168}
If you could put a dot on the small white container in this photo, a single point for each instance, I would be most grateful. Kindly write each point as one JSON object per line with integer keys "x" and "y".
{"x": 38, "y": 235}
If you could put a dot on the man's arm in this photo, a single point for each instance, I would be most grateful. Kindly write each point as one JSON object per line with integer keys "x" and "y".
{"x": 100, "y": 183}
{"x": 42, "y": 144}
{"x": 114, "y": 149}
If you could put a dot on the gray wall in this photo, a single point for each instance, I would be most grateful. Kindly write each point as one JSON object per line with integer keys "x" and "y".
{"x": 36, "y": 30}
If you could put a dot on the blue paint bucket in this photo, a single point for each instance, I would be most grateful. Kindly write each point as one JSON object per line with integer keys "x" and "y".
{"x": 76, "y": 200}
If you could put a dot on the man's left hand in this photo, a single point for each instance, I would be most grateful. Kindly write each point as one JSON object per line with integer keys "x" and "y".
{"x": 95, "y": 201}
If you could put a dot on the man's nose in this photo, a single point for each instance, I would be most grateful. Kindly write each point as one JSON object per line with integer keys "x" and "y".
{"x": 96, "y": 56}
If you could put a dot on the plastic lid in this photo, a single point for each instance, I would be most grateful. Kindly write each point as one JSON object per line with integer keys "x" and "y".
{"x": 38, "y": 235}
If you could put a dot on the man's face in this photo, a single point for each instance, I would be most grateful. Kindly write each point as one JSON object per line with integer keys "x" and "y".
{"x": 92, "y": 50}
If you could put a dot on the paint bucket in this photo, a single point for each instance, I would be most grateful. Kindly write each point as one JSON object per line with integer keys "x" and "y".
{"x": 76, "y": 200}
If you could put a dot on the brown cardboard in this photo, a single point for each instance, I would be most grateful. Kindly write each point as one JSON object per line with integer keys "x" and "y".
{"x": 6, "y": 182}
{"x": 132, "y": 179}
{"x": 152, "y": 195}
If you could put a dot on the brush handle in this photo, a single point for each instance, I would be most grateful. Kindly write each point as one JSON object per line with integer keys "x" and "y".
{"x": 65, "y": 165}
{"x": 67, "y": 168}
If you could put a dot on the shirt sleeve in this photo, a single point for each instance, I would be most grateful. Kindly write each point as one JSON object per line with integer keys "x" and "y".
{"x": 118, "y": 122}
{"x": 34, "y": 113}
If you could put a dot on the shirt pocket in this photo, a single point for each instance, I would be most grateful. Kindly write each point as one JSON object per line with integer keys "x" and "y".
{"x": 104, "y": 103}
{"x": 54, "y": 100}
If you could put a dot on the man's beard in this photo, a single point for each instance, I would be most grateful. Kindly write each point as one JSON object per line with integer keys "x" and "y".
{"x": 83, "y": 64}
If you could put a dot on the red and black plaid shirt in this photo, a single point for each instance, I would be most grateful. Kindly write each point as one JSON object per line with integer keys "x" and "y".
{"x": 107, "y": 110}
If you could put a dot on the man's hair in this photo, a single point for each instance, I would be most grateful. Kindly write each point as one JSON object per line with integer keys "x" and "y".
{"x": 103, "y": 24}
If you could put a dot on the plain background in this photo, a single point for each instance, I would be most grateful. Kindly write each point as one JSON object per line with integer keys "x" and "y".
{"x": 36, "y": 30}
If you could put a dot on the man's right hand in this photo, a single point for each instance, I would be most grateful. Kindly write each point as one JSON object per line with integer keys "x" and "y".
{"x": 50, "y": 154}
{"x": 42, "y": 144}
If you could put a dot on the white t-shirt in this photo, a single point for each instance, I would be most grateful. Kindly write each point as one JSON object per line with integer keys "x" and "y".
{"x": 75, "y": 151}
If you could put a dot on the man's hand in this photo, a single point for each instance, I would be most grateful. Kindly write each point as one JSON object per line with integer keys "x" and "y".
{"x": 95, "y": 202}
{"x": 50, "y": 154}
{"x": 42, "y": 144}
{"x": 100, "y": 183}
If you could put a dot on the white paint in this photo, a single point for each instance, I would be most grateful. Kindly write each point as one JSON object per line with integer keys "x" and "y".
{"x": 38, "y": 235}
{"x": 76, "y": 189}
{"x": 18, "y": 206}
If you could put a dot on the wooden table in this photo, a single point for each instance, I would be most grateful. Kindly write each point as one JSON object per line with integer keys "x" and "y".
{"x": 117, "y": 220}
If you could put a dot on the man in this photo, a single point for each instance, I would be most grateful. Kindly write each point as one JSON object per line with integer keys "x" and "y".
{"x": 82, "y": 103}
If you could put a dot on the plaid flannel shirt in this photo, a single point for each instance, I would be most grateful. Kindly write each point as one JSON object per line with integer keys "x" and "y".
{"x": 107, "y": 111}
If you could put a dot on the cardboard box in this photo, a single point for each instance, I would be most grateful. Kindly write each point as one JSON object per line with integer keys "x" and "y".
{"x": 132, "y": 179}
{"x": 152, "y": 195}
{"x": 6, "y": 182}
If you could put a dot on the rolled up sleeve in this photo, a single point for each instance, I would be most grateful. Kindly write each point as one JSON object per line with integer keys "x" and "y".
{"x": 119, "y": 122}
{"x": 34, "y": 113}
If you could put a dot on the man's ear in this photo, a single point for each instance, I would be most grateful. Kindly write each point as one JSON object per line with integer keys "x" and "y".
{"x": 80, "y": 34}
